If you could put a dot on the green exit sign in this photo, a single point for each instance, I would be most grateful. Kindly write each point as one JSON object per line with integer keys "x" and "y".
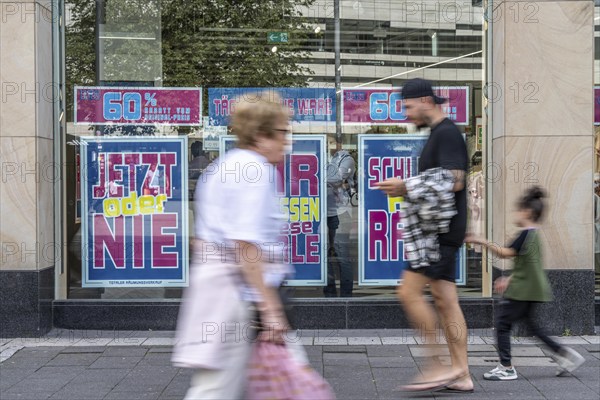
{"x": 277, "y": 37}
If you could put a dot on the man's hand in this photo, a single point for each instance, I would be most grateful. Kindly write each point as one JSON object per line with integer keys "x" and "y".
{"x": 393, "y": 187}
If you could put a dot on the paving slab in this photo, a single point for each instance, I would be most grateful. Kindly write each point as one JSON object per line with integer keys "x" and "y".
{"x": 330, "y": 340}
{"x": 347, "y": 371}
{"x": 570, "y": 339}
{"x": 114, "y": 395}
{"x": 161, "y": 372}
{"x": 83, "y": 349}
{"x": 526, "y": 351}
{"x": 85, "y": 359}
{"x": 304, "y": 340}
{"x": 479, "y": 348}
{"x": 393, "y": 373}
{"x": 87, "y": 342}
{"x": 24, "y": 363}
{"x": 115, "y": 362}
{"x": 392, "y": 362}
{"x": 350, "y": 359}
{"x": 357, "y": 341}
{"x": 8, "y": 352}
{"x": 49, "y": 372}
{"x": 349, "y": 388}
{"x": 513, "y": 340}
{"x": 127, "y": 342}
{"x": 155, "y": 359}
{"x": 25, "y": 395}
{"x": 517, "y": 361}
{"x": 43, "y": 385}
{"x": 109, "y": 377}
{"x": 592, "y": 348}
{"x": 78, "y": 386}
{"x": 39, "y": 352}
{"x": 316, "y": 350}
{"x": 125, "y": 351}
{"x": 592, "y": 339}
{"x": 159, "y": 341}
{"x": 431, "y": 350}
{"x": 84, "y": 394}
{"x": 439, "y": 339}
{"x": 475, "y": 340}
{"x": 45, "y": 342}
{"x": 344, "y": 349}
{"x": 563, "y": 388}
{"x": 160, "y": 349}
{"x": 388, "y": 351}
{"x": 398, "y": 340}
{"x": 152, "y": 334}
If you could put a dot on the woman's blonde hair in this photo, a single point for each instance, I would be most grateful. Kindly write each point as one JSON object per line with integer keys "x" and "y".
{"x": 255, "y": 115}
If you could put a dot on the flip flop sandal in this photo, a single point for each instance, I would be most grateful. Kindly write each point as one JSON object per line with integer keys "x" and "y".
{"x": 453, "y": 390}
{"x": 434, "y": 386}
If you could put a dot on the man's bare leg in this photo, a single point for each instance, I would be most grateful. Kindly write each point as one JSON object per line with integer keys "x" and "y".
{"x": 422, "y": 317}
{"x": 455, "y": 329}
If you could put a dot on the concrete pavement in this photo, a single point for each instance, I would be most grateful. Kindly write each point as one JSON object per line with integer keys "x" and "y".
{"x": 365, "y": 364}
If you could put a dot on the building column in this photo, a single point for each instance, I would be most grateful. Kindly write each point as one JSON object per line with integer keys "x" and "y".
{"x": 540, "y": 96}
{"x": 28, "y": 170}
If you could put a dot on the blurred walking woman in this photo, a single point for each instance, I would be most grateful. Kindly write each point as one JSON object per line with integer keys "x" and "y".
{"x": 237, "y": 224}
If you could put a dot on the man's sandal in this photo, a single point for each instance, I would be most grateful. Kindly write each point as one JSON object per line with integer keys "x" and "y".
{"x": 429, "y": 386}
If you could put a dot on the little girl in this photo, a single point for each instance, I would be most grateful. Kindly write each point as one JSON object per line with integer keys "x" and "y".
{"x": 524, "y": 288}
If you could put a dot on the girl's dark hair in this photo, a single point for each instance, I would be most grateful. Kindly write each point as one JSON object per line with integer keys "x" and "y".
{"x": 532, "y": 200}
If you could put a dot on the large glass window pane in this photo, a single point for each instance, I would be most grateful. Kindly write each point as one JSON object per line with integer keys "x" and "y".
{"x": 183, "y": 44}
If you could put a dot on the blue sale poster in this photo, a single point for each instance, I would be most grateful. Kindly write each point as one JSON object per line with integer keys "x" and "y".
{"x": 314, "y": 105}
{"x": 381, "y": 250}
{"x": 302, "y": 189}
{"x": 134, "y": 212}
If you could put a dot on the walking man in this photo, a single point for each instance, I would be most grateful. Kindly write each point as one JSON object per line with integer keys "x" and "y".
{"x": 446, "y": 149}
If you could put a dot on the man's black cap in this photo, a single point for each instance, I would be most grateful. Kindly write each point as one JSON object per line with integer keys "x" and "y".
{"x": 417, "y": 88}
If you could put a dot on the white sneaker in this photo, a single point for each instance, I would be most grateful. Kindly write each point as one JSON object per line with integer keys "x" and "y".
{"x": 568, "y": 360}
{"x": 501, "y": 373}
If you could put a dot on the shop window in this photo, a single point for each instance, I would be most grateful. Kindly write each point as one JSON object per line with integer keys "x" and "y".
{"x": 129, "y": 57}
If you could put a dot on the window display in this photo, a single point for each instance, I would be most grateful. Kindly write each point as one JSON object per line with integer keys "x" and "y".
{"x": 143, "y": 75}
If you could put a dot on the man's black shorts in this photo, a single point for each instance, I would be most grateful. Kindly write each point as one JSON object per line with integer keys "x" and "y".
{"x": 445, "y": 269}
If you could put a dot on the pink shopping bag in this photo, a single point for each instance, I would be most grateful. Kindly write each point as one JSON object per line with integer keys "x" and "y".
{"x": 274, "y": 375}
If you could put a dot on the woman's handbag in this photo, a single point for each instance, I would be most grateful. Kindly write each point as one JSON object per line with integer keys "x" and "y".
{"x": 274, "y": 374}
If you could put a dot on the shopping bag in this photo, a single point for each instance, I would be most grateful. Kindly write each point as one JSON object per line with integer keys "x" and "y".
{"x": 274, "y": 375}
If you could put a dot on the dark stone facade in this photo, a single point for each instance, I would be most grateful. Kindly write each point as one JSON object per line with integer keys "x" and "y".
{"x": 26, "y": 302}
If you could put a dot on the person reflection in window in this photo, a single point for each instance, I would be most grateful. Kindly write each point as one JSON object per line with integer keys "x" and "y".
{"x": 199, "y": 161}
{"x": 340, "y": 176}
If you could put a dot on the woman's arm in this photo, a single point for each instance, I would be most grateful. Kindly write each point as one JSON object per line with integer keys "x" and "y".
{"x": 270, "y": 308}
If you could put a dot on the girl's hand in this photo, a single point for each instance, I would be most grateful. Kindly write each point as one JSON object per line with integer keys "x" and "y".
{"x": 501, "y": 284}
{"x": 469, "y": 238}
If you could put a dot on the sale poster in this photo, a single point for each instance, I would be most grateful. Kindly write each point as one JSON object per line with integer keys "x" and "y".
{"x": 597, "y": 105}
{"x": 106, "y": 105}
{"x": 384, "y": 106}
{"x": 77, "y": 185}
{"x": 381, "y": 249}
{"x": 302, "y": 190}
{"x": 134, "y": 212}
{"x": 305, "y": 105}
